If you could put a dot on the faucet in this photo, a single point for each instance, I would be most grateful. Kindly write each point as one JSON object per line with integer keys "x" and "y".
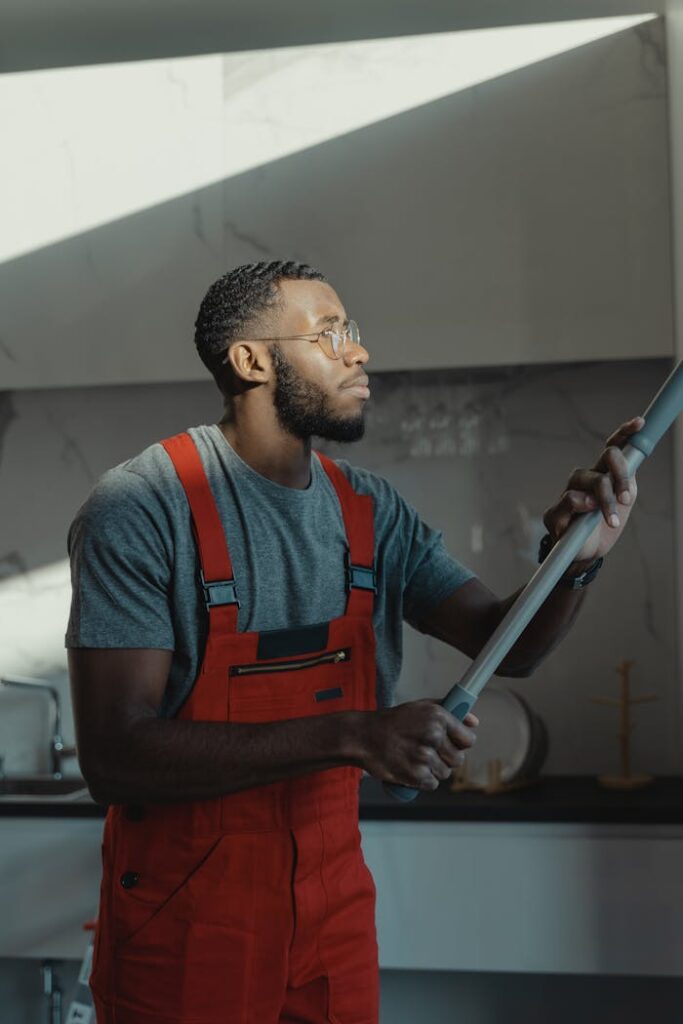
{"x": 57, "y": 748}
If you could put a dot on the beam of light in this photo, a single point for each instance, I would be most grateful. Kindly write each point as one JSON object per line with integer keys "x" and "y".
{"x": 83, "y": 147}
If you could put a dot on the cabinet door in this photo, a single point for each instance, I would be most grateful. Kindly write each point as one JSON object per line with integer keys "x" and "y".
{"x": 557, "y": 899}
{"x": 49, "y": 885}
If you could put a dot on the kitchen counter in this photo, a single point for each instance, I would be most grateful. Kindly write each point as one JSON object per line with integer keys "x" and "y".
{"x": 553, "y": 798}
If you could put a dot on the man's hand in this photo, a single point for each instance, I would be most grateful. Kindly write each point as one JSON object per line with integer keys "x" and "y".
{"x": 417, "y": 744}
{"x": 606, "y": 486}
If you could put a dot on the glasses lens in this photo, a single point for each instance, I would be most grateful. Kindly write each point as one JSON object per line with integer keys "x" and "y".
{"x": 334, "y": 344}
{"x": 331, "y": 344}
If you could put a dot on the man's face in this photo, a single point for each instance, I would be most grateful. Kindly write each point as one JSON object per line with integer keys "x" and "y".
{"x": 312, "y": 396}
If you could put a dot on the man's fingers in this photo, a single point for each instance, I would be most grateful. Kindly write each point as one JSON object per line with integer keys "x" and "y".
{"x": 604, "y": 491}
{"x": 600, "y": 486}
{"x": 612, "y": 461}
{"x": 620, "y": 436}
{"x": 440, "y": 763}
{"x": 459, "y": 734}
{"x": 605, "y": 486}
{"x": 448, "y": 759}
{"x": 572, "y": 503}
{"x": 442, "y": 744}
{"x": 470, "y": 718}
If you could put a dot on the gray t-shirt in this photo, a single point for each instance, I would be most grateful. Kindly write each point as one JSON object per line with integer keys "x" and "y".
{"x": 135, "y": 570}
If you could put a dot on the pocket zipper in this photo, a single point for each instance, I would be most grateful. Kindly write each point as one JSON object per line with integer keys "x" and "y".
{"x": 286, "y": 666}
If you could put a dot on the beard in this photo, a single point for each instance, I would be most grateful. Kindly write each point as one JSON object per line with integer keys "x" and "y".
{"x": 303, "y": 410}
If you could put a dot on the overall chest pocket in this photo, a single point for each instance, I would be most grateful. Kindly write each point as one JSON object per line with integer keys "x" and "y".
{"x": 295, "y": 688}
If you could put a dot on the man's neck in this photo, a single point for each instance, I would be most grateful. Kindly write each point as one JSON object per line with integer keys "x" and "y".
{"x": 282, "y": 458}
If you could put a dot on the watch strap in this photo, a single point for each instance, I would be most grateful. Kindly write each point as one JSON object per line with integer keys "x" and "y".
{"x": 570, "y": 582}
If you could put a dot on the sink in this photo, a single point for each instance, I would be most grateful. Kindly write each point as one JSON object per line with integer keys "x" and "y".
{"x": 41, "y": 786}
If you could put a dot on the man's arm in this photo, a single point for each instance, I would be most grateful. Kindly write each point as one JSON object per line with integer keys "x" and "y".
{"x": 468, "y": 617}
{"x": 128, "y": 754}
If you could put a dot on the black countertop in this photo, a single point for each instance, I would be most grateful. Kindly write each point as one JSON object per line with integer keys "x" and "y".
{"x": 568, "y": 799}
{"x": 564, "y": 799}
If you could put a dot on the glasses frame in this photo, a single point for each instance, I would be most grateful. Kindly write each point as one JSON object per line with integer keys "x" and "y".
{"x": 343, "y": 339}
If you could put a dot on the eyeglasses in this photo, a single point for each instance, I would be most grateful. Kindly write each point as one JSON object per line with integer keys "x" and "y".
{"x": 333, "y": 343}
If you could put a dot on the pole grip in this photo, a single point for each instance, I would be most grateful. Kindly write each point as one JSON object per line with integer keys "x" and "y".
{"x": 463, "y": 701}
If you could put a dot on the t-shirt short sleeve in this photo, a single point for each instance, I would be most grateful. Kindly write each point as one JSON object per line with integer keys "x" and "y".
{"x": 120, "y": 567}
{"x": 431, "y": 573}
{"x": 428, "y": 573}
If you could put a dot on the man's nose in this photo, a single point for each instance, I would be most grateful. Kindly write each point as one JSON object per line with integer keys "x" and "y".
{"x": 355, "y": 354}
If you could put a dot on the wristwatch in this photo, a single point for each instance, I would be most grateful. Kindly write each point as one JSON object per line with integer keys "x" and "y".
{"x": 570, "y": 582}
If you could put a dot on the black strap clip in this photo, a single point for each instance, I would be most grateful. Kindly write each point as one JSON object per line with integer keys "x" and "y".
{"x": 359, "y": 575}
{"x": 219, "y": 592}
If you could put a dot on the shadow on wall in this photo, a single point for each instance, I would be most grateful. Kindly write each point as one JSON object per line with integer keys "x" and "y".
{"x": 78, "y": 35}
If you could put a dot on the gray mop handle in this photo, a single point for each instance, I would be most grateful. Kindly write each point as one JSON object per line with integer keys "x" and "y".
{"x": 660, "y": 414}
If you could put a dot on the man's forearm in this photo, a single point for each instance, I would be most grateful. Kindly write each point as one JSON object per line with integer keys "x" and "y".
{"x": 549, "y": 626}
{"x": 169, "y": 760}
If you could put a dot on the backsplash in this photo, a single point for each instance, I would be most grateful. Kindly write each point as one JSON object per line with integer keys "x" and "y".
{"x": 480, "y": 454}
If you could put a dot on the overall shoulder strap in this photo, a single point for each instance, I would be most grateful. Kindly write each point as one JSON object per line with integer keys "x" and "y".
{"x": 220, "y": 594}
{"x": 359, "y": 524}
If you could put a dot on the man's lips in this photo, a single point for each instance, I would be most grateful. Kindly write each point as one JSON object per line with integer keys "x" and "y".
{"x": 358, "y": 382}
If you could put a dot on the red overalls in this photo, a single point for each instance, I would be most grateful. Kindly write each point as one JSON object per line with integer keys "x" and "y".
{"x": 255, "y": 907}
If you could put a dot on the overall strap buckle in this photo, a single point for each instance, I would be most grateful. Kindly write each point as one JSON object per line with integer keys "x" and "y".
{"x": 359, "y": 576}
{"x": 219, "y": 592}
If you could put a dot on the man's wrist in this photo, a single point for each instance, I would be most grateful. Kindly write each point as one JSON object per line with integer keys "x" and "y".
{"x": 578, "y": 568}
{"x": 579, "y": 574}
{"x": 353, "y": 736}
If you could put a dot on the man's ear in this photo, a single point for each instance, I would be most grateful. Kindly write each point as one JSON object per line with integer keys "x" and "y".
{"x": 250, "y": 361}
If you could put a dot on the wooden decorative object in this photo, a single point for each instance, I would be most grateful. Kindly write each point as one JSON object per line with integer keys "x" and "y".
{"x": 626, "y": 780}
{"x": 463, "y": 784}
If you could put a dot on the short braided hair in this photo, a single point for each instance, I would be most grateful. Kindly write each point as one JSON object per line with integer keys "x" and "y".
{"x": 233, "y": 301}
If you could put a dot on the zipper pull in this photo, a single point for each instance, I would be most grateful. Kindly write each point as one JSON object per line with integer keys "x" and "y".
{"x": 340, "y": 656}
